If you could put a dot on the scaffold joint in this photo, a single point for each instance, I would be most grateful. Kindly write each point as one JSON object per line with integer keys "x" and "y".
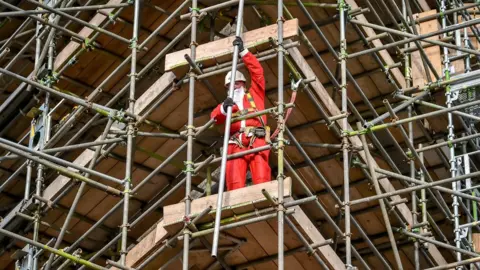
{"x": 188, "y": 167}
{"x": 87, "y": 44}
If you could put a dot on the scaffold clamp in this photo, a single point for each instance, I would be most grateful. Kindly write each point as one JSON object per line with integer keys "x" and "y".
{"x": 295, "y": 85}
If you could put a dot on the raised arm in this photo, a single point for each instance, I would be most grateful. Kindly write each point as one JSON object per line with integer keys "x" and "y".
{"x": 255, "y": 69}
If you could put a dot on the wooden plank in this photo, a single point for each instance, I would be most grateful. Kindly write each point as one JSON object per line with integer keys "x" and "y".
{"x": 147, "y": 245}
{"x": 162, "y": 84}
{"x": 223, "y": 47}
{"x": 424, "y": 5}
{"x": 327, "y": 253}
{"x": 174, "y": 214}
{"x": 332, "y": 109}
{"x": 72, "y": 47}
{"x": 476, "y": 242}
{"x": 268, "y": 240}
{"x": 384, "y": 55}
{"x": 419, "y": 76}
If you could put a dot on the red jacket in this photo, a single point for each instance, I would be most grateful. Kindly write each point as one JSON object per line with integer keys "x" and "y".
{"x": 257, "y": 90}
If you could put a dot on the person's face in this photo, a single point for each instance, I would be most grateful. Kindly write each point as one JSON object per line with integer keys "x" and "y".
{"x": 238, "y": 85}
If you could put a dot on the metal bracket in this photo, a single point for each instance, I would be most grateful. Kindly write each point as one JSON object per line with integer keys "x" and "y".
{"x": 463, "y": 233}
{"x": 295, "y": 85}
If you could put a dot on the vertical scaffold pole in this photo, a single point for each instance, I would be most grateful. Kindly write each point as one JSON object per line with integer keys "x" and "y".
{"x": 130, "y": 134}
{"x": 226, "y": 136}
{"x": 190, "y": 132}
{"x": 280, "y": 121}
{"x": 451, "y": 133}
{"x": 342, "y": 7}
{"x": 408, "y": 83}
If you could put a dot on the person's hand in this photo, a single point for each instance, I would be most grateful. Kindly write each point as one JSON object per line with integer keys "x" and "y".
{"x": 228, "y": 102}
{"x": 238, "y": 42}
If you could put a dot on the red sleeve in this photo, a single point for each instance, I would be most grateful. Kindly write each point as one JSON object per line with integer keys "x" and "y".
{"x": 219, "y": 115}
{"x": 256, "y": 72}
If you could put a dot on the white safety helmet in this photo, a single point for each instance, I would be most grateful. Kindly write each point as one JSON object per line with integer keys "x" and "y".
{"x": 238, "y": 77}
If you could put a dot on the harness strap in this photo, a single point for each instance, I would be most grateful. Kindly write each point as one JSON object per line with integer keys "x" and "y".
{"x": 252, "y": 104}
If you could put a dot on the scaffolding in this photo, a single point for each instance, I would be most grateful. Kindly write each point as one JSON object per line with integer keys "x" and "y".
{"x": 95, "y": 153}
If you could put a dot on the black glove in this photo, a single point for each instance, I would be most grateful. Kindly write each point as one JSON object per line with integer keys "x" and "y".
{"x": 227, "y": 103}
{"x": 239, "y": 42}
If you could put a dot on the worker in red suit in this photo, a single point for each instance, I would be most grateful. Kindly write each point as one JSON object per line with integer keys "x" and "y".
{"x": 250, "y": 133}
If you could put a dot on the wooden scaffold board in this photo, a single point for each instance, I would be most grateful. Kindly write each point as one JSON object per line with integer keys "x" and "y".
{"x": 235, "y": 202}
{"x": 221, "y": 50}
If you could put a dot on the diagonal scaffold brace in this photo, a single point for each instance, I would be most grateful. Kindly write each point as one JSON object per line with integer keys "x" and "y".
{"x": 226, "y": 138}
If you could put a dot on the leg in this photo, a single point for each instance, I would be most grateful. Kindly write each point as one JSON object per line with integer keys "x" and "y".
{"x": 236, "y": 170}
{"x": 259, "y": 168}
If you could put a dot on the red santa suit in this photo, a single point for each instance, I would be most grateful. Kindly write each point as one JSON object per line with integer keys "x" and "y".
{"x": 257, "y": 162}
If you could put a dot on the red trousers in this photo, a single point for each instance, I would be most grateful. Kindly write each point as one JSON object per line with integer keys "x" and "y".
{"x": 236, "y": 171}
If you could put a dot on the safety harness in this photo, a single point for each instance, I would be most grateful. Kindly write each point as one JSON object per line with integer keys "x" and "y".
{"x": 251, "y": 131}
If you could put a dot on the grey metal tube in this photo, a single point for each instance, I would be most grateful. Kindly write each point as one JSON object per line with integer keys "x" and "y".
{"x": 398, "y": 108}
{"x": 59, "y": 161}
{"x": 238, "y": 224}
{"x": 221, "y": 183}
{"x": 305, "y": 243}
{"x": 455, "y": 264}
{"x": 412, "y": 37}
{"x": 342, "y": 7}
{"x": 438, "y": 243}
{"x": 50, "y": 249}
{"x": 335, "y": 197}
{"x": 415, "y": 181}
{"x": 419, "y": 117}
{"x": 442, "y": 144}
{"x": 168, "y": 243}
{"x": 67, "y": 9}
{"x": 14, "y": 34}
{"x": 81, "y": 22}
{"x": 190, "y": 133}
{"x": 117, "y": 206}
{"x": 79, "y": 194}
{"x": 280, "y": 139}
{"x": 74, "y": 99}
{"x": 438, "y": 198}
{"x": 376, "y": 185}
{"x": 61, "y": 170}
{"x": 243, "y": 153}
{"x": 130, "y": 155}
{"x": 146, "y": 212}
{"x": 436, "y": 106}
{"x": 418, "y": 187}
{"x": 63, "y": 29}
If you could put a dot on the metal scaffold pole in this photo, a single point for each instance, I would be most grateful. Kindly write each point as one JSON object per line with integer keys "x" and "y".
{"x": 398, "y": 185}
{"x": 189, "y": 165}
{"x": 280, "y": 138}
{"x": 130, "y": 156}
{"x": 343, "y": 9}
{"x": 451, "y": 135}
{"x": 226, "y": 134}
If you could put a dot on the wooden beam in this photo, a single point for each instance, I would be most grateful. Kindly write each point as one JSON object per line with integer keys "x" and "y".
{"x": 148, "y": 98}
{"x": 63, "y": 57}
{"x": 419, "y": 76}
{"x": 332, "y": 109}
{"x": 234, "y": 202}
{"x": 223, "y": 47}
{"x": 147, "y": 245}
{"x": 329, "y": 256}
{"x": 244, "y": 196}
{"x": 383, "y": 54}
{"x": 424, "y": 5}
{"x": 476, "y": 242}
